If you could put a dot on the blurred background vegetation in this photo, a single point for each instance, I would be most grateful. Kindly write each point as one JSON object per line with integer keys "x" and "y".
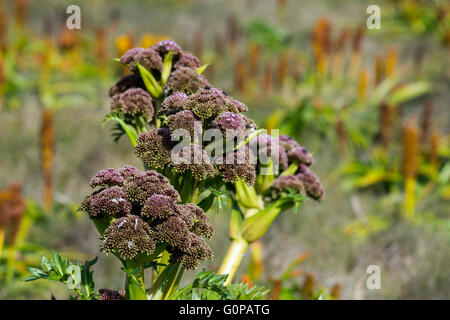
{"x": 372, "y": 105}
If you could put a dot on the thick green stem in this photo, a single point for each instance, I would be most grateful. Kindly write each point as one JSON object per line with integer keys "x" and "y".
{"x": 135, "y": 284}
{"x": 233, "y": 259}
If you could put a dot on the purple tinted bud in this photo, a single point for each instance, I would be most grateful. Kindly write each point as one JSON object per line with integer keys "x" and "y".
{"x": 230, "y": 121}
{"x": 234, "y": 125}
{"x": 311, "y": 182}
{"x": 187, "y": 60}
{"x": 235, "y": 166}
{"x": 125, "y": 83}
{"x": 265, "y": 145}
{"x": 150, "y": 60}
{"x": 185, "y": 80}
{"x": 196, "y": 219}
{"x": 111, "y": 201}
{"x": 194, "y": 159}
{"x": 129, "y": 58}
{"x": 283, "y": 183}
{"x": 128, "y": 236}
{"x": 183, "y": 120}
{"x": 163, "y": 47}
{"x": 210, "y": 102}
{"x": 107, "y": 178}
{"x": 129, "y": 172}
{"x": 288, "y": 143}
{"x": 197, "y": 251}
{"x": 174, "y": 103}
{"x": 153, "y": 147}
{"x": 133, "y": 102}
{"x": 106, "y": 294}
{"x": 147, "y": 184}
{"x": 301, "y": 155}
{"x": 174, "y": 231}
{"x": 158, "y": 207}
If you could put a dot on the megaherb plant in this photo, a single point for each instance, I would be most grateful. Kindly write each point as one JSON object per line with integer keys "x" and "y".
{"x": 196, "y": 146}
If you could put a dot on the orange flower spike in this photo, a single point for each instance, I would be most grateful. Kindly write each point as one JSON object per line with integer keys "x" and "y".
{"x": 101, "y": 48}
{"x": 434, "y": 151}
{"x": 410, "y": 146}
{"x": 363, "y": 84}
{"x": 254, "y": 53}
{"x": 20, "y": 10}
{"x": 3, "y": 28}
{"x": 266, "y": 83}
{"x": 240, "y": 74}
{"x": 426, "y": 123}
{"x": 282, "y": 70}
{"x": 391, "y": 62}
{"x": 379, "y": 70}
{"x": 386, "y": 120}
{"x": 47, "y": 154}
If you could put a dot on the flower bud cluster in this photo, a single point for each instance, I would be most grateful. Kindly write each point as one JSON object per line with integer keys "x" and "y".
{"x": 145, "y": 211}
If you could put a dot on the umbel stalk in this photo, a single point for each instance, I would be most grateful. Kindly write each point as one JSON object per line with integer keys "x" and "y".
{"x": 233, "y": 259}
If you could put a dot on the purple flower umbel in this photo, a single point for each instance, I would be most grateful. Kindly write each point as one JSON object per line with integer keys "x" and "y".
{"x": 133, "y": 103}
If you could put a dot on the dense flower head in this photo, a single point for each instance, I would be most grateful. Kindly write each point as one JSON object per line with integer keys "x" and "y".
{"x": 301, "y": 155}
{"x": 174, "y": 103}
{"x": 174, "y": 231}
{"x": 230, "y": 121}
{"x": 284, "y": 183}
{"x": 265, "y": 144}
{"x": 194, "y": 159}
{"x": 183, "y": 120}
{"x": 187, "y": 60}
{"x": 148, "y": 58}
{"x": 196, "y": 219}
{"x": 133, "y": 102}
{"x": 237, "y": 165}
{"x": 197, "y": 250}
{"x": 163, "y": 48}
{"x": 107, "y": 294}
{"x": 129, "y": 172}
{"x": 311, "y": 182}
{"x": 153, "y": 147}
{"x": 110, "y": 201}
{"x": 123, "y": 189}
{"x": 147, "y": 212}
{"x": 148, "y": 183}
{"x": 158, "y": 206}
{"x": 185, "y": 79}
{"x": 128, "y": 58}
{"x": 129, "y": 236}
{"x": 303, "y": 180}
{"x": 210, "y": 102}
{"x": 287, "y": 142}
{"x": 125, "y": 83}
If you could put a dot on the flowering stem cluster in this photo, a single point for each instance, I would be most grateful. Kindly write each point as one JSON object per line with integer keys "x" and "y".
{"x": 196, "y": 145}
{"x": 282, "y": 183}
{"x": 139, "y": 216}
